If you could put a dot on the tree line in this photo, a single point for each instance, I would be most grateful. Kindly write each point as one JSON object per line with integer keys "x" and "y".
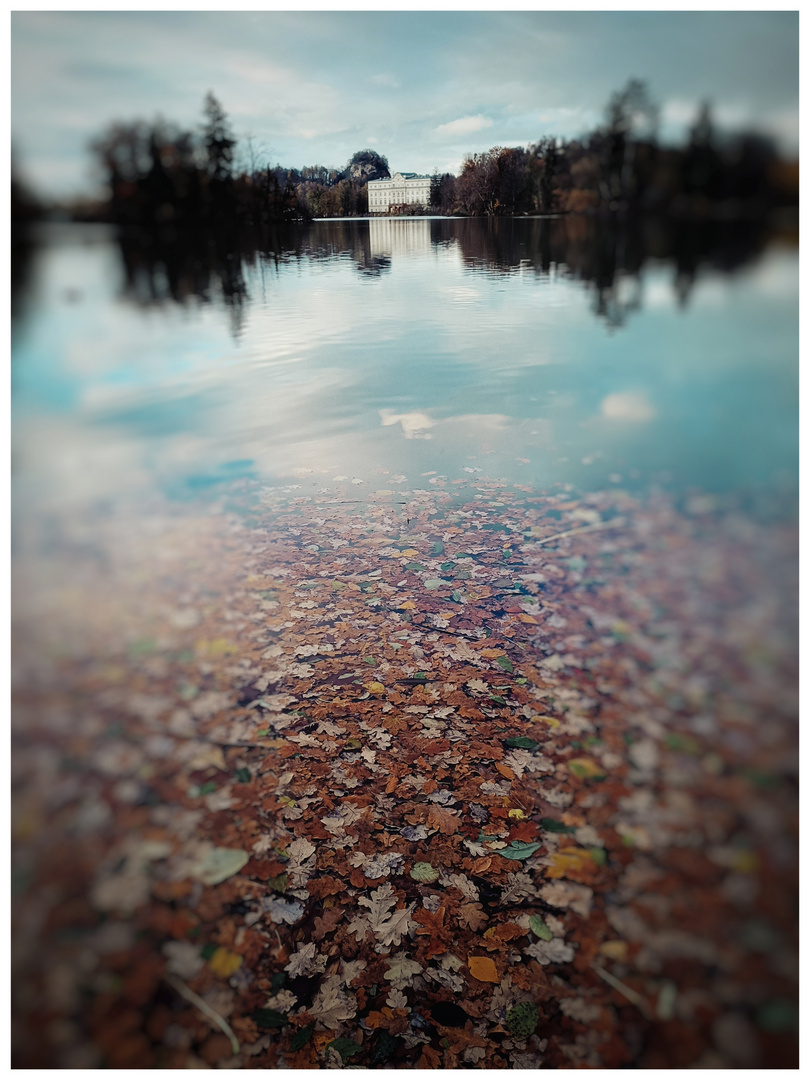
{"x": 159, "y": 174}
{"x": 621, "y": 167}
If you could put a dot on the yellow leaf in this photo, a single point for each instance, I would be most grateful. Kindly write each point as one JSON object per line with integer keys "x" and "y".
{"x": 567, "y": 859}
{"x": 504, "y": 770}
{"x": 483, "y": 968}
{"x": 492, "y": 653}
{"x": 585, "y": 767}
{"x": 215, "y": 647}
{"x": 409, "y": 552}
{"x": 408, "y": 605}
{"x": 224, "y": 963}
{"x": 745, "y": 862}
{"x": 374, "y": 687}
{"x": 614, "y": 950}
{"x": 552, "y": 721}
{"x": 447, "y": 614}
{"x": 517, "y": 814}
{"x": 526, "y": 618}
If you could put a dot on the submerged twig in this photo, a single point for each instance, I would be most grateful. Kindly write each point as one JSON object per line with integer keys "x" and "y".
{"x": 626, "y": 991}
{"x": 204, "y": 1007}
{"x": 585, "y": 528}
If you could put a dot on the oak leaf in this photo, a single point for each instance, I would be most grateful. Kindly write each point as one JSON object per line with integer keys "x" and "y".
{"x": 446, "y": 821}
{"x": 472, "y": 915}
{"x": 332, "y": 1005}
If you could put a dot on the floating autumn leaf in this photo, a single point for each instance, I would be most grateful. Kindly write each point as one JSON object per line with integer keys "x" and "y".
{"x": 521, "y": 1019}
{"x": 301, "y": 1037}
{"x": 614, "y": 950}
{"x": 423, "y": 871}
{"x": 539, "y": 928}
{"x": 218, "y": 864}
{"x": 268, "y": 1018}
{"x": 519, "y": 849}
{"x": 483, "y": 968}
{"x": 585, "y": 768}
{"x": 332, "y": 1005}
{"x": 224, "y": 963}
{"x": 550, "y": 952}
{"x": 570, "y": 860}
{"x": 472, "y": 915}
{"x": 401, "y": 970}
{"x": 520, "y": 742}
{"x": 345, "y": 1047}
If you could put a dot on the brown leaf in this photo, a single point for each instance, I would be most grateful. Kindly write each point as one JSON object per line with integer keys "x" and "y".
{"x": 326, "y": 924}
{"x": 446, "y": 821}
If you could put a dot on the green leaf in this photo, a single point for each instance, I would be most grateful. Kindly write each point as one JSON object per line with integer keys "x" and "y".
{"x": 242, "y": 776}
{"x": 598, "y": 855}
{"x": 779, "y": 1015}
{"x": 414, "y": 566}
{"x": 208, "y": 950}
{"x": 438, "y": 548}
{"x": 208, "y": 787}
{"x": 520, "y": 742}
{"x": 447, "y": 566}
{"x": 497, "y": 699}
{"x": 521, "y": 1019}
{"x": 371, "y": 660}
{"x": 143, "y": 647}
{"x": 434, "y": 583}
{"x": 685, "y": 743}
{"x": 505, "y": 663}
{"x": 518, "y": 849}
{"x": 260, "y": 734}
{"x": 384, "y": 1049}
{"x": 345, "y": 1047}
{"x": 423, "y": 871}
{"x": 268, "y": 1018}
{"x": 277, "y": 982}
{"x": 539, "y": 928}
{"x": 302, "y": 1037}
{"x": 278, "y": 884}
{"x": 456, "y": 595}
{"x": 551, "y": 824}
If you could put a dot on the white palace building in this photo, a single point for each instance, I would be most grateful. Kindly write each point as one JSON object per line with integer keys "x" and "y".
{"x": 398, "y": 191}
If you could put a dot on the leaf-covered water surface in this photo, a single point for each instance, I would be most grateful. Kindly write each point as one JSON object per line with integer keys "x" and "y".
{"x": 300, "y": 783}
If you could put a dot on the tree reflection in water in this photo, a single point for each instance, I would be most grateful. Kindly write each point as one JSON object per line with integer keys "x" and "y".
{"x": 608, "y": 256}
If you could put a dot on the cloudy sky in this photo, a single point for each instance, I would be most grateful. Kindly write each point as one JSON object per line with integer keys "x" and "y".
{"x": 422, "y": 88}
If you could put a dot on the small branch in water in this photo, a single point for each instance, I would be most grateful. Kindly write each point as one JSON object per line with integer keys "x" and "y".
{"x": 197, "y": 1001}
{"x": 585, "y": 528}
{"x": 625, "y": 990}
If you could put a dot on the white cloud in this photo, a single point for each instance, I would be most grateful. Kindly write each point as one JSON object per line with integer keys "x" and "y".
{"x": 414, "y": 424}
{"x": 465, "y": 125}
{"x": 631, "y": 408}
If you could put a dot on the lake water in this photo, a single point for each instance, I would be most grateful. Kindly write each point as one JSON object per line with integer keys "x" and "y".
{"x": 538, "y": 352}
{"x": 441, "y": 563}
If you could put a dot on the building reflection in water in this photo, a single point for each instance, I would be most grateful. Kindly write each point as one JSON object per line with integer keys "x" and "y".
{"x": 392, "y": 236}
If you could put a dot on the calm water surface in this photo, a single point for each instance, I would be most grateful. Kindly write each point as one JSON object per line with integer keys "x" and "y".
{"x": 535, "y": 352}
{"x": 225, "y": 459}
